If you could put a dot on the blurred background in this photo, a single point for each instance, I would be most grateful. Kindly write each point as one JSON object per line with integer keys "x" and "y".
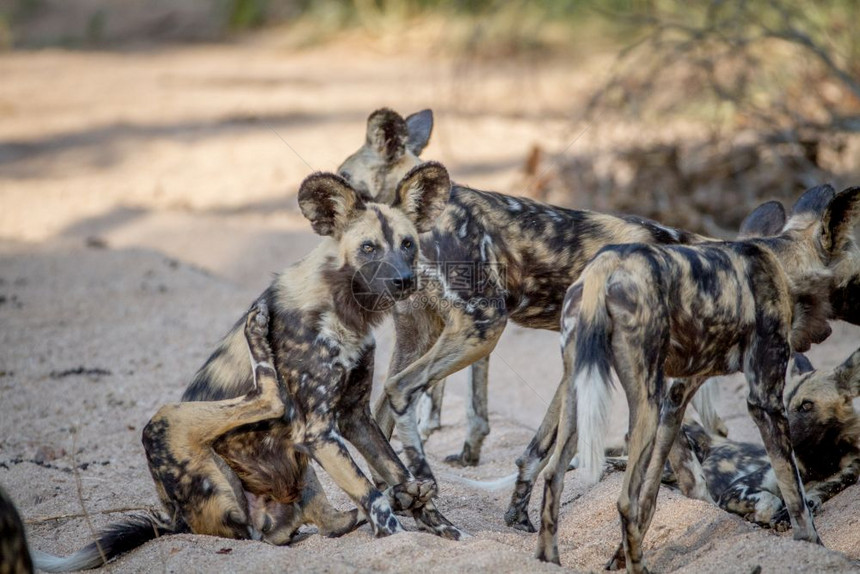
{"x": 691, "y": 115}
{"x": 151, "y": 151}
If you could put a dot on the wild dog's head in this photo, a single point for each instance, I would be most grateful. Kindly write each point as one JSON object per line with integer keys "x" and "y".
{"x": 390, "y": 150}
{"x": 824, "y": 424}
{"x": 377, "y": 244}
{"x": 828, "y": 219}
{"x": 817, "y": 250}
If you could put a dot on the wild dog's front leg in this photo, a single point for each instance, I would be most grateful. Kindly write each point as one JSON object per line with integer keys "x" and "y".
{"x": 358, "y": 426}
{"x": 329, "y": 450}
{"x": 361, "y": 430}
{"x": 765, "y": 369}
{"x": 430, "y": 410}
{"x": 460, "y": 344}
{"x": 477, "y": 415}
{"x": 821, "y": 491}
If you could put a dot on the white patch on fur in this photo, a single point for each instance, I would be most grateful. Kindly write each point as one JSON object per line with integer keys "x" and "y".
{"x": 464, "y": 229}
{"x": 486, "y": 243}
{"x": 703, "y": 402}
{"x": 514, "y": 205}
{"x": 673, "y": 233}
{"x": 592, "y": 415}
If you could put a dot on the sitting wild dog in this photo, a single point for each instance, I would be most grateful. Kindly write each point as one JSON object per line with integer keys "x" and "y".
{"x": 232, "y": 459}
{"x": 651, "y": 312}
{"x": 825, "y": 435}
{"x": 14, "y": 554}
{"x": 488, "y": 257}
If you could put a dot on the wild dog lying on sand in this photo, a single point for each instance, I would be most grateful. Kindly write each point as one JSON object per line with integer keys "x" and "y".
{"x": 766, "y": 220}
{"x": 487, "y": 258}
{"x": 264, "y": 412}
{"x": 650, "y": 312}
{"x": 14, "y": 555}
{"x": 825, "y": 435}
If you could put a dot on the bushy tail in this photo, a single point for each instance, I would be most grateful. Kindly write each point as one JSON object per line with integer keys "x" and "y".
{"x": 116, "y": 539}
{"x": 487, "y": 485}
{"x": 592, "y": 366}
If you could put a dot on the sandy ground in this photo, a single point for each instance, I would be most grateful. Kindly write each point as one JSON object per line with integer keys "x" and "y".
{"x": 145, "y": 199}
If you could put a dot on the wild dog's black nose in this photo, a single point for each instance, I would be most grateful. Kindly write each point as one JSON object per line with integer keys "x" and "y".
{"x": 405, "y": 281}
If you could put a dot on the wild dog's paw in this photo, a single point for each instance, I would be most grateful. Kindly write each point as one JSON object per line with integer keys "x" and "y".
{"x": 781, "y": 521}
{"x": 257, "y": 322}
{"x": 431, "y": 520}
{"x": 518, "y": 518}
{"x": 381, "y": 517}
{"x": 413, "y": 494}
{"x": 464, "y": 458}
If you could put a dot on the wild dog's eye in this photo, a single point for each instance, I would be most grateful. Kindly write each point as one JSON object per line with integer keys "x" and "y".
{"x": 407, "y": 243}
{"x": 368, "y": 247}
{"x": 806, "y": 406}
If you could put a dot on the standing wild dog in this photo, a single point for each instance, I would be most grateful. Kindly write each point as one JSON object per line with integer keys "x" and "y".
{"x": 650, "y": 312}
{"x": 489, "y": 257}
{"x": 232, "y": 459}
{"x": 766, "y": 220}
{"x": 825, "y": 435}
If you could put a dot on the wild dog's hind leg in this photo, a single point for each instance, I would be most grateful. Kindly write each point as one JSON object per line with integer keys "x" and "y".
{"x": 765, "y": 368}
{"x": 477, "y": 415}
{"x": 194, "y": 483}
{"x": 534, "y": 459}
{"x": 668, "y": 438}
{"x": 566, "y": 443}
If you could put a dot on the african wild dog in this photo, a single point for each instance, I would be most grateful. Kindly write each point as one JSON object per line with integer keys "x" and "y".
{"x": 487, "y": 258}
{"x": 14, "y": 554}
{"x": 825, "y": 435}
{"x": 264, "y": 412}
{"x": 650, "y": 311}
{"x": 767, "y": 220}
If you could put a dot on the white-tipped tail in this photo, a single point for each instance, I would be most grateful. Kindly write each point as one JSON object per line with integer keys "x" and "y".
{"x": 592, "y": 415}
{"x": 703, "y": 401}
{"x": 82, "y": 560}
{"x": 488, "y": 485}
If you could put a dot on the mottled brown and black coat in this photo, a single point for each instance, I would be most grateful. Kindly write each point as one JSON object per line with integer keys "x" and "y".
{"x": 292, "y": 382}
{"x": 649, "y": 312}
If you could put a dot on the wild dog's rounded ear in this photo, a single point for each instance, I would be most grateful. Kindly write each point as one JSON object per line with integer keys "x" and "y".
{"x": 423, "y": 193}
{"x": 765, "y": 220}
{"x": 420, "y": 126}
{"x": 800, "y": 365}
{"x": 329, "y": 203}
{"x": 814, "y": 200}
{"x": 848, "y": 374}
{"x": 387, "y": 134}
{"x": 839, "y": 220}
